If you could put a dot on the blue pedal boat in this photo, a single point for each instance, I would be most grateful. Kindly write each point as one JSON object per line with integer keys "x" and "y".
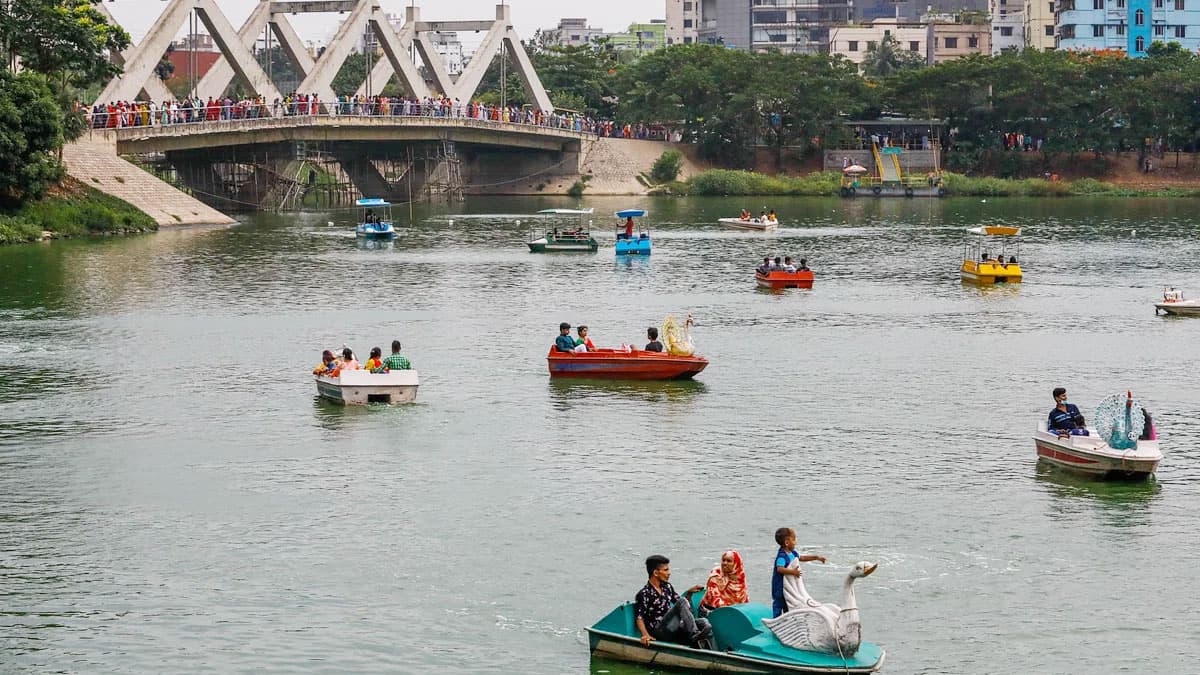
{"x": 743, "y": 645}
{"x": 375, "y": 221}
{"x": 629, "y": 240}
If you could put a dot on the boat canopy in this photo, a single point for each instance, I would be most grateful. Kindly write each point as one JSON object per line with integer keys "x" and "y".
{"x": 631, "y": 213}
{"x": 566, "y": 211}
{"x": 1001, "y": 230}
{"x": 374, "y": 201}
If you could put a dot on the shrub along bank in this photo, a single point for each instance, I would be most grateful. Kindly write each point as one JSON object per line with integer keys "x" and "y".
{"x": 71, "y": 210}
{"x": 722, "y": 182}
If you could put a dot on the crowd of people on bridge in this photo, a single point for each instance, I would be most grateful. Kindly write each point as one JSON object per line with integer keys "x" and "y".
{"x": 122, "y": 114}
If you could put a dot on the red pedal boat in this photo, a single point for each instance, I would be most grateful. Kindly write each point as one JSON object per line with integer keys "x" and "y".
{"x": 615, "y": 364}
{"x": 777, "y": 279}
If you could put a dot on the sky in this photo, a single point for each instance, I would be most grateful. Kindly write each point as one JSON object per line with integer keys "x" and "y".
{"x": 136, "y": 16}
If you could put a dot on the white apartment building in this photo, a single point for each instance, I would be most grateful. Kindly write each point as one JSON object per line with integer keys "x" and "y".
{"x": 683, "y": 20}
{"x": 854, "y": 40}
{"x": 1008, "y": 24}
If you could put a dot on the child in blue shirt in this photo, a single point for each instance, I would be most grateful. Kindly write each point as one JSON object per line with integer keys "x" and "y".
{"x": 786, "y": 538}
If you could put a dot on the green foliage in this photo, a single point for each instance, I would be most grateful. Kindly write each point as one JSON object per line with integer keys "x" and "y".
{"x": 886, "y": 58}
{"x": 579, "y": 78}
{"x": 84, "y": 211}
{"x": 62, "y": 37}
{"x": 720, "y": 182}
{"x": 31, "y": 129}
{"x": 667, "y": 167}
{"x": 579, "y": 186}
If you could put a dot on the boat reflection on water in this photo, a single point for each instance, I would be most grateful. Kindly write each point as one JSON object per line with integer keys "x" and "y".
{"x": 603, "y": 666}
{"x": 639, "y": 263}
{"x": 333, "y": 416}
{"x": 1127, "y": 500}
{"x": 373, "y": 244}
{"x": 566, "y": 394}
{"x": 991, "y": 291}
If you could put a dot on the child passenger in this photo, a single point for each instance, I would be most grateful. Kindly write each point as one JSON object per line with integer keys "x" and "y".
{"x": 786, "y": 538}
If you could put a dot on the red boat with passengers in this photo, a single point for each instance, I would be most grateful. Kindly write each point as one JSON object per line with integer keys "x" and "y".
{"x": 776, "y": 279}
{"x": 616, "y": 364}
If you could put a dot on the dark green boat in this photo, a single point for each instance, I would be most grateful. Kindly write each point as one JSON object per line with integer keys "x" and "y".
{"x": 743, "y": 645}
{"x": 560, "y": 242}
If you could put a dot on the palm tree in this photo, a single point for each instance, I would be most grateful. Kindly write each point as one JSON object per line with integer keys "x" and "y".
{"x": 885, "y": 58}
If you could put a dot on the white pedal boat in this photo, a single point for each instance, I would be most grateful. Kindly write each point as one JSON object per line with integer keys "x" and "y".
{"x": 359, "y": 387}
{"x": 756, "y": 224}
{"x": 1090, "y": 455}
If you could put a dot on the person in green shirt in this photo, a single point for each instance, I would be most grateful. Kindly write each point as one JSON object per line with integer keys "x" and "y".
{"x": 394, "y": 361}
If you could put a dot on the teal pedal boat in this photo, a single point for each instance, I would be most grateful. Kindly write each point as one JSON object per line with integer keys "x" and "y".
{"x": 743, "y": 645}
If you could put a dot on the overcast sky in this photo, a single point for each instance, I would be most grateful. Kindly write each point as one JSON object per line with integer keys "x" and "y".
{"x": 528, "y": 15}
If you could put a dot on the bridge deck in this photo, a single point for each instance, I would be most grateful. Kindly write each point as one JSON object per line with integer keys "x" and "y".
{"x": 216, "y": 133}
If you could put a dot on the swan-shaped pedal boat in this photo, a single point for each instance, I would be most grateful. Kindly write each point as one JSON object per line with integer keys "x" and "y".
{"x": 821, "y": 627}
{"x": 748, "y": 640}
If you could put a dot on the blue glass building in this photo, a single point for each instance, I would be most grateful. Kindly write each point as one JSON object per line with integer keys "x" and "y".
{"x": 1127, "y": 25}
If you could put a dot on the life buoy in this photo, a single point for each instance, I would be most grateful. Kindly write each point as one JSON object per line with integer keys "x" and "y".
{"x": 908, "y": 192}
{"x": 941, "y": 192}
{"x": 876, "y": 189}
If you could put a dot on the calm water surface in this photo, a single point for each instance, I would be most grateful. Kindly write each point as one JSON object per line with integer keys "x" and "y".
{"x": 174, "y": 499}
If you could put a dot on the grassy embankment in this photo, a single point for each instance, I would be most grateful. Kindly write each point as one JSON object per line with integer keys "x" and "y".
{"x": 720, "y": 182}
{"x": 71, "y": 209}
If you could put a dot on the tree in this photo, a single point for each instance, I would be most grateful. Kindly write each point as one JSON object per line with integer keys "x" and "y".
{"x": 885, "y": 58}
{"x": 579, "y": 76}
{"x": 31, "y": 128}
{"x": 62, "y": 39}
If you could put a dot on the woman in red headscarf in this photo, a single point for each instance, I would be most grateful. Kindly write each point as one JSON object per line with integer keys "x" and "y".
{"x": 726, "y": 583}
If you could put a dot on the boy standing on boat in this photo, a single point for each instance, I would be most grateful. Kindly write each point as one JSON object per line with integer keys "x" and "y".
{"x": 786, "y": 538}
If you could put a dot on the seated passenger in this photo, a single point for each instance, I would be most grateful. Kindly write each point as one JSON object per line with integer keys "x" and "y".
{"x": 1065, "y": 419}
{"x": 328, "y": 364}
{"x": 661, "y": 614}
{"x": 745, "y": 215}
{"x": 395, "y": 361}
{"x": 777, "y": 264}
{"x": 787, "y": 265}
{"x": 726, "y": 584}
{"x": 375, "y": 360}
{"x": 348, "y": 361}
{"x": 583, "y": 343}
{"x": 628, "y": 234}
{"x": 1012, "y": 260}
{"x": 771, "y": 217}
{"x": 803, "y": 265}
{"x": 654, "y": 345}
{"x": 564, "y": 342}
{"x": 764, "y": 267}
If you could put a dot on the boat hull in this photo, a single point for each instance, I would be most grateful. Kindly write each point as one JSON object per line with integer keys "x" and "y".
{"x": 988, "y": 273}
{"x": 780, "y": 280}
{"x": 360, "y": 387}
{"x": 1181, "y": 308}
{"x": 611, "y": 364}
{"x": 1091, "y": 456}
{"x": 635, "y": 246}
{"x": 756, "y": 225}
{"x": 743, "y": 645}
{"x": 545, "y": 245}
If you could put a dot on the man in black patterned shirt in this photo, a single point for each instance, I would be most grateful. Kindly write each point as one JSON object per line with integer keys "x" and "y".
{"x": 661, "y": 614}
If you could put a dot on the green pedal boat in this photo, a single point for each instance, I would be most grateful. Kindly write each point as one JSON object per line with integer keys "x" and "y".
{"x": 743, "y": 645}
{"x": 560, "y": 242}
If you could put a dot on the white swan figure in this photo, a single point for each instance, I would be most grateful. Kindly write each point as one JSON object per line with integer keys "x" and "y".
{"x": 818, "y": 627}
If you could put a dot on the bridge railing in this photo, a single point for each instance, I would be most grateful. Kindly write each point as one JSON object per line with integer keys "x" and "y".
{"x": 155, "y": 120}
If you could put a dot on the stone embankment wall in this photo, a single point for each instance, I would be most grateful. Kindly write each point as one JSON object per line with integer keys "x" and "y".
{"x": 93, "y": 161}
{"x": 610, "y": 165}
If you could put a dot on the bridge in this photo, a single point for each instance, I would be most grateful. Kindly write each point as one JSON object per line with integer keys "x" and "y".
{"x": 275, "y": 160}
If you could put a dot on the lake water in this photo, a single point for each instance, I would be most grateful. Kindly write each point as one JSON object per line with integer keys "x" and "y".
{"x": 174, "y": 499}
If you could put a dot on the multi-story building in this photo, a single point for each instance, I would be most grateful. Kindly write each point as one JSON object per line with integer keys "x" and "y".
{"x": 642, "y": 37}
{"x": 1008, "y": 25}
{"x": 762, "y": 25}
{"x": 1127, "y": 25}
{"x": 683, "y": 21}
{"x": 1039, "y": 24}
{"x": 573, "y": 33}
{"x": 950, "y": 40}
{"x": 853, "y": 41}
